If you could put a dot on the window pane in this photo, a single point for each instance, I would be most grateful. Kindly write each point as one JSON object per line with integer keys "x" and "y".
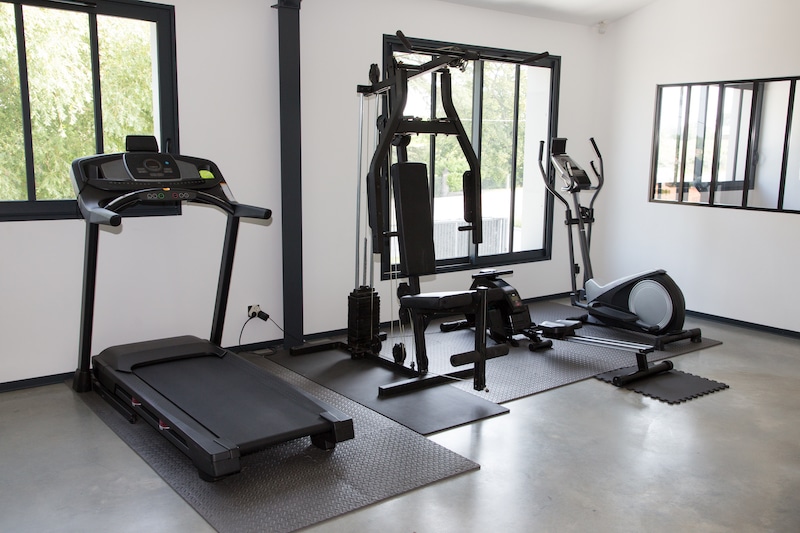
{"x": 694, "y": 144}
{"x": 62, "y": 114}
{"x": 497, "y": 155}
{"x": 448, "y": 202}
{"x": 791, "y": 198}
{"x": 734, "y": 134}
{"x": 530, "y": 194}
{"x": 700, "y": 142}
{"x": 128, "y": 75}
{"x": 12, "y": 148}
{"x": 670, "y": 143}
{"x": 449, "y": 166}
{"x": 418, "y": 102}
{"x": 463, "y": 89}
{"x": 737, "y": 104}
{"x": 767, "y": 176}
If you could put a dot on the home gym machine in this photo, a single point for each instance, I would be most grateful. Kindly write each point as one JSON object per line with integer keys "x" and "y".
{"x": 496, "y": 309}
{"x": 407, "y": 183}
{"x": 211, "y": 404}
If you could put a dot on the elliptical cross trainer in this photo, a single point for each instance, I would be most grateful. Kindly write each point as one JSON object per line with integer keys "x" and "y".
{"x": 649, "y": 301}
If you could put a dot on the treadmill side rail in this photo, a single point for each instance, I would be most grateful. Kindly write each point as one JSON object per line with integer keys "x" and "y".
{"x": 213, "y": 457}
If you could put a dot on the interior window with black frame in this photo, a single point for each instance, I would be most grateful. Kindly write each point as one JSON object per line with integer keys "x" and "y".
{"x": 506, "y": 108}
{"x": 728, "y": 144}
{"x": 77, "y": 77}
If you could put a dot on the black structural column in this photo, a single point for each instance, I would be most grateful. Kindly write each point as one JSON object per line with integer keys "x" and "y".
{"x": 291, "y": 170}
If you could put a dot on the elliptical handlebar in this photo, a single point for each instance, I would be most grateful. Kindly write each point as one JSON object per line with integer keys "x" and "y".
{"x": 600, "y": 175}
{"x": 576, "y": 180}
{"x": 596, "y": 150}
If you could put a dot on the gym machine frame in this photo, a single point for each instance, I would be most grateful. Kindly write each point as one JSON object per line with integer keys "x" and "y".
{"x": 364, "y": 339}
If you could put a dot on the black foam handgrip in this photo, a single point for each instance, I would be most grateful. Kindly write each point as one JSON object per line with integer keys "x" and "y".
{"x": 470, "y": 200}
{"x": 405, "y": 41}
{"x": 594, "y": 145}
{"x": 251, "y": 211}
{"x": 104, "y": 216}
{"x": 99, "y": 215}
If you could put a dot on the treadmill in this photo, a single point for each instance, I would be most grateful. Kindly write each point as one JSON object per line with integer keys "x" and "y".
{"x": 210, "y": 403}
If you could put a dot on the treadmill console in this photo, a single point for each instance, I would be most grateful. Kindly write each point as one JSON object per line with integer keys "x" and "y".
{"x": 106, "y": 184}
{"x": 151, "y": 166}
{"x": 132, "y": 171}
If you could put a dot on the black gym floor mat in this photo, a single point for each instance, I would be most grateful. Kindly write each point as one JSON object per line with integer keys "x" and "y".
{"x": 425, "y": 411}
{"x": 671, "y": 387}
{"x": 523, "y": 373}
{"x": 516, "y": 375}
{"x": 294, "y": 484}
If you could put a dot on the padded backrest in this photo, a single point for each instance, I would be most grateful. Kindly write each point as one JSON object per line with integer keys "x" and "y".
{"x": 414, "y": 218}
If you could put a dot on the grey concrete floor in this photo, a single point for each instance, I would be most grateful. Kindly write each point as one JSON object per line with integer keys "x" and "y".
{"x": 584, "y": 457}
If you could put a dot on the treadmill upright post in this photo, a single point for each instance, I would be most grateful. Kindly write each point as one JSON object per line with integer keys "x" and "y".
{"x": 82, "y": 382}
{"x": 224, "y": 283}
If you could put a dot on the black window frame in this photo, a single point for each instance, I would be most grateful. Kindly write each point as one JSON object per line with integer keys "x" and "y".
{"x": 753, "y": 133}
{"x": 164, "y": 18}
{"x": 392, "y": 44}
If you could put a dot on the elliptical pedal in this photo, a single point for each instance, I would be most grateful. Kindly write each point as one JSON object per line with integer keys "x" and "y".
{"x": 602, "y": 311}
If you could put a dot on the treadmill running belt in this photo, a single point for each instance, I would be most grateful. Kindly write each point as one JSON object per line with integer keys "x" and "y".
{"x": 228, "y": 397}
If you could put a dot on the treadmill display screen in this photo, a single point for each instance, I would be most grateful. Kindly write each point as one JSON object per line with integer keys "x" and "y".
{"x": 151, "y": 166}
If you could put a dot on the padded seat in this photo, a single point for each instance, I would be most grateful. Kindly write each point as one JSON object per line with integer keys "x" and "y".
{"x": 438, "y": 301}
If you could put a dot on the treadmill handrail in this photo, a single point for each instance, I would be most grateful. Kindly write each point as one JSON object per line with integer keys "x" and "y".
{"x": 232, "y": 208}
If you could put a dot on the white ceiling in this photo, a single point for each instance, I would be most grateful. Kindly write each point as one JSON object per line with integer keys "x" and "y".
{"x": 586, "y": 12}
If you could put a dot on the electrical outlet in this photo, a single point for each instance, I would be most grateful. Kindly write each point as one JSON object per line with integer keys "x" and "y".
{"x": 253, "y": 310}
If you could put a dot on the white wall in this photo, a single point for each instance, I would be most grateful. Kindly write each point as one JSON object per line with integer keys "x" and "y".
{"x": 731, "y": 263}
{"x": 157, "y": 276}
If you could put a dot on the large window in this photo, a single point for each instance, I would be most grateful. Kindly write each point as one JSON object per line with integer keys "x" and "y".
{"x": 75, "y": 79}
{"x": 728, "y": 144}
{"x": 506, "y": 108}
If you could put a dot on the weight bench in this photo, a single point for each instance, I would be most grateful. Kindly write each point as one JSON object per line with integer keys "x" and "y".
{"x": 417, "y": 258}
